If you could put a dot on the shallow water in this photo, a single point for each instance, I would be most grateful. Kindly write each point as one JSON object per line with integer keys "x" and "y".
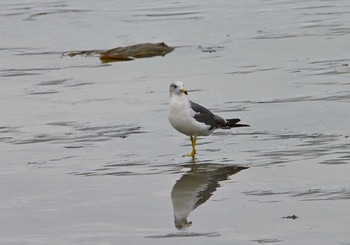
{"x": 88, "y": 155}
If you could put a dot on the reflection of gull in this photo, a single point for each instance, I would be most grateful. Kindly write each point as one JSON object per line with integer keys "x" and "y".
{"x": 196, "y": 186}
{"x": 193, "y": 119}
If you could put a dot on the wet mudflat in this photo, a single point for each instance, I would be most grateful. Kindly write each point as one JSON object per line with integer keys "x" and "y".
{"x": 88, "y": 155}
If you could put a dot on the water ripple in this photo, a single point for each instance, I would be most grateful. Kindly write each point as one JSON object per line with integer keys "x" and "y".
{"x": 316, "y": 194}
{"x": 73, "y": 134}
{"x": 186, "y": 234}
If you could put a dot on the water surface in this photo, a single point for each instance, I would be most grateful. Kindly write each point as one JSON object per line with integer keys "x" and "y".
{"x": 88, "y": 155}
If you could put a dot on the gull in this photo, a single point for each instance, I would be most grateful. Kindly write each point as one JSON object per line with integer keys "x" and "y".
{"x": 192, "y": 119}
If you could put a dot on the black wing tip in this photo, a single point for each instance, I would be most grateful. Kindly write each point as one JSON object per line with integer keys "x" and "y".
{"x": 233, "y": 123}
{"x": 233, "y": 120}
{"x": 240, "y": 125}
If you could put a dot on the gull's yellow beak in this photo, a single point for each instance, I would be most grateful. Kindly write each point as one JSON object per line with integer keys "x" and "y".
{"x": 183, "y": 90}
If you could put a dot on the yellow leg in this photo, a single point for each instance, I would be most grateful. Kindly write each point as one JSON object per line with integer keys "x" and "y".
{"x": 193, "y": 141}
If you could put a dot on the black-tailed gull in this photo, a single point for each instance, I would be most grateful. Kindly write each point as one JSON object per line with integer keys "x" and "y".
{"x": 193, "y": 119}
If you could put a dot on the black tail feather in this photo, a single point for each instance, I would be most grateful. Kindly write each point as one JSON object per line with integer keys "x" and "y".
{"x": 233, "y": 123}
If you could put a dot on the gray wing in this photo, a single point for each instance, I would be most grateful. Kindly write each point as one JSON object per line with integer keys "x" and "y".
{"x": 203, "y": 115}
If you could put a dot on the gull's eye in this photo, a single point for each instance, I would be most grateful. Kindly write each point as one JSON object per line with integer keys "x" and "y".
{"x": 173, "y": 86}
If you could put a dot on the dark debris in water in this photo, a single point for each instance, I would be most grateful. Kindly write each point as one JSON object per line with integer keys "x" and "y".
{"x": 293, "y": 217}
{"x": 210, "y": 49}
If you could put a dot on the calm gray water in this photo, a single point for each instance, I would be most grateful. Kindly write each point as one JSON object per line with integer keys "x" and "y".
{"x": 88, "y": 155}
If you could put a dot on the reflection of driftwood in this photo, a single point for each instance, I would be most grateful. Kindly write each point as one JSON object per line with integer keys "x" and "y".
{"x": 84, "y": 53}
{"x": 143, "y": 50}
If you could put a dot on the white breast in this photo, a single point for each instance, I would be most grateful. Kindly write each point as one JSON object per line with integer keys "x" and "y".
{"x": 181, "y": 117}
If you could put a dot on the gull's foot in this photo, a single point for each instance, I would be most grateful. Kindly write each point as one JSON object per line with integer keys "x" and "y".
{"x": 192, "y": 154}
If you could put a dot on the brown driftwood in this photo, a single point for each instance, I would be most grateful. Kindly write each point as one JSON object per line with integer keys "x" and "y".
{"x": 143, "y": 50}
